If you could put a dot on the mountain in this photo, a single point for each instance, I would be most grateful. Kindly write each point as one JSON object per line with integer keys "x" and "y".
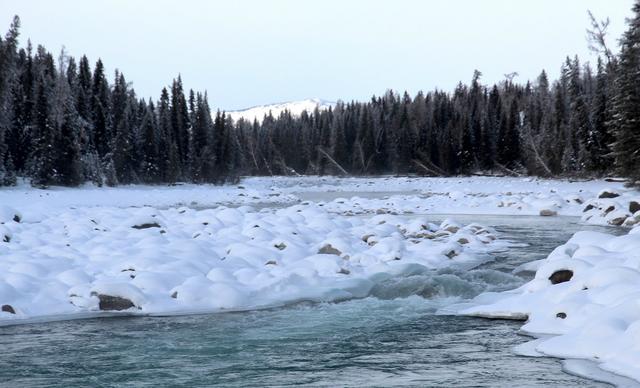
{"x": 295, "y": 107}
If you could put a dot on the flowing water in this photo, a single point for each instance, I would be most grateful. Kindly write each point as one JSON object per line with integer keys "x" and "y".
{"x": 392, "y": 338}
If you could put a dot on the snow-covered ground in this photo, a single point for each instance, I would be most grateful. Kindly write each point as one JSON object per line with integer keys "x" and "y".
{"x": 67, "y": 253}
{"x": 475, "y": 195}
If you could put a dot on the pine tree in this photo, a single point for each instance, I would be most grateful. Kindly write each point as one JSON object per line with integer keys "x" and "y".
{"x": 8, "y": 48}
{"x": 66, "y": 147}
{"x": 101, "y": 109}
{"x": 625, "y": 119}
{"x": 180, "y": 125}
{"x": 168, "y": 148}
{"x": 148, "y": 143}
{"x": 43, "y": 171}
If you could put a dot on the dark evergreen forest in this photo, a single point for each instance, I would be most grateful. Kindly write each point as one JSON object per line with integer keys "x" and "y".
{"x": 62, "y": 122}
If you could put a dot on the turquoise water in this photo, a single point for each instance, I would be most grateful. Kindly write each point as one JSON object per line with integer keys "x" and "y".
{"x": 392, "y": 338}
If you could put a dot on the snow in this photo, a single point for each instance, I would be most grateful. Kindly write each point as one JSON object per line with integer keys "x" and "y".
{"x": 294, "y": 107}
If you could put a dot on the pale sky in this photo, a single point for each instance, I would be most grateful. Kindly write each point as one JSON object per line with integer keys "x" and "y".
{"x": 253, "y": 52}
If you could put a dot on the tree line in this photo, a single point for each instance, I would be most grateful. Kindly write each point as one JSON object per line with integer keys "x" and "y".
{"x": 63, "y": 123}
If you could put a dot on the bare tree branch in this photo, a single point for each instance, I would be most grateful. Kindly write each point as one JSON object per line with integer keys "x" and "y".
{"x": 323, "y": 152}
{"x": 596, "y": 36}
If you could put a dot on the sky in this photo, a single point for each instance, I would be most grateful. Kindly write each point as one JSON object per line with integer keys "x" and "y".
{"x": 253, "y": 52}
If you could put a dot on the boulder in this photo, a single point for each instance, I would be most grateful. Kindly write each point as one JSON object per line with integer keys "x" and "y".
{"x": 7, "y": 308}
{"x": 634, "y": 206}
{"x": 113, "y": 303}
{"x": 617, "y": 221}
{"x": 548, "y": 213}
{"x": 452, "y": 228}
{"x": 451, "y": 254}
{"x": 561, "y": 276}
{"x": 608, "y": 194}
{"x": 329, "y": 250}
{"x": 561, "y": 315}
{"x": 588, "y": 207}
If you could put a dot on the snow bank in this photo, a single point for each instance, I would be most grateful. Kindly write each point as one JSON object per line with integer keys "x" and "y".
{"x": 584, "y": 301}
{"x": 457, "y": 195}
{"x": 613, "y": 207}
{"x": 106, "y": 260}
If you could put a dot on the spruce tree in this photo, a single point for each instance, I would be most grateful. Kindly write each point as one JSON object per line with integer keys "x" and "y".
{"x": 625, "y": 119}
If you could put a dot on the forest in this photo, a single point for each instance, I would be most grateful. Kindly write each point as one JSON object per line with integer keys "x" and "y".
{"x": 62, "y": 122}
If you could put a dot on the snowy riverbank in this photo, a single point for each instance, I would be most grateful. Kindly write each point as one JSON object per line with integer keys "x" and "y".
{"x": 456, "y": 195}
{"x": 180, "y": 260}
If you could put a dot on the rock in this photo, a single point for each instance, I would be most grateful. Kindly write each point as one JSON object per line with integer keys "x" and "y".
{"x": 548, "y": 213}
{"x": 561, "y": 315}
{"x": 280, "y": 246}
{"x": 463, "y": 240}
{"x": 561, "y": 276}
{"x": 344, "y": 271}
{"x": 608, "y": 194}
{"x": 6, "y": 238}
{"x": 174, "y": 295}
{"x": 617, "y": 221}
{"x": 113, "y": 303}
{"x": 271, "y": 262}
{"x": 329, "y": 250}
{"x": 634, "y": 207}
{"x": 588, "y": 207}
{"x": 451, "y": 254}
{"x": 609, "y": 209}
{"x": 7, "y": 308}
{"x": 146, "y": 225}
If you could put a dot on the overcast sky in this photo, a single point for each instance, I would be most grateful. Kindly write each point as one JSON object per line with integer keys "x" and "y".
{"x": 252, "y": 52}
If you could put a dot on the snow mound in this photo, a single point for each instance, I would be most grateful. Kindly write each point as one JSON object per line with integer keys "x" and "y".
{"x": 586, "y": 296}
{"x": 98, "y": 260}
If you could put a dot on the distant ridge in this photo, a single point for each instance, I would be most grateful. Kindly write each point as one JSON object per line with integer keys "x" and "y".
{"x": 295, "y": 107}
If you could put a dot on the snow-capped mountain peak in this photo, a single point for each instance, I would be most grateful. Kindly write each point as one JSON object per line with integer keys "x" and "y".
{"x": 295, "y": 107}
